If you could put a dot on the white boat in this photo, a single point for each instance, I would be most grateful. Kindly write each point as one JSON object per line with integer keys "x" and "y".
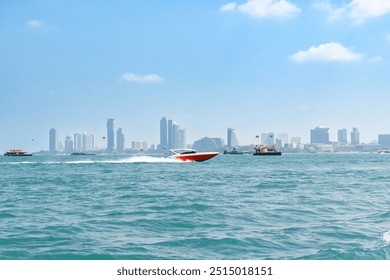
{"x": 191, "y": 155}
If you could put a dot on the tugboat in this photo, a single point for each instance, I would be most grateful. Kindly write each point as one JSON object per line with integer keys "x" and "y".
{"x": 17, "y": 153}
{"x": 232, "y": 152}
{"x": 262, "y": 150}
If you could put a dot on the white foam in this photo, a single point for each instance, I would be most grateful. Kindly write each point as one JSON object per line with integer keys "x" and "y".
{"x": 145, "y": 159}
{"x": 132, "y": 159}
{"x": 386, "y": 237}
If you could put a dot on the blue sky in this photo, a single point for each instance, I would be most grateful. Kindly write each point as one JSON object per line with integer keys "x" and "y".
{"x": 257, "y": 66}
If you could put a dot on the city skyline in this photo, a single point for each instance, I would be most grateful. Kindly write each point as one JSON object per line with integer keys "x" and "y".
{"x": 172, "y": 136}
{"x": 257, "y": 66}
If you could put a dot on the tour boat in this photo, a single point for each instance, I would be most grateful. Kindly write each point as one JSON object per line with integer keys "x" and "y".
{"x": 191, "y": 155}
{"x": 262, "y": 150}
{"x": 17, "y": 153}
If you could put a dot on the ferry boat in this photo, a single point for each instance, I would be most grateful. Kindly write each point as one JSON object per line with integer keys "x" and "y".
{"x": 191, "y": 155}
{"x": 17, "y": 153}
{"x": 263, "y": 150}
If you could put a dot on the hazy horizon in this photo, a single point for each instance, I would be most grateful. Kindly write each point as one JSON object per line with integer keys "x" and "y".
{"x": 257, "y": 66}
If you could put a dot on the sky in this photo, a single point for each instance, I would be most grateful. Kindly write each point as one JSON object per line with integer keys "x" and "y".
{"x": 253, "y": 65}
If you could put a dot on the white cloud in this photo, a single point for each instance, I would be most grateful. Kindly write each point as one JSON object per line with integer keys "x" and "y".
{"x": 327, "y": 52}
{"x": 228, "y": 7}
{"x": 264, "y": 8}
{"x": 151, "y": 78}
{"x": 34, "y": 23}
{"x": 333, "y": 12}
{"x": 358, "y": 11}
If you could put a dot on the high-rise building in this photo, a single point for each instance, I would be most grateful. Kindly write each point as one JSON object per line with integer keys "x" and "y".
{"x": 53, "y": 141}
{"x": 231, "y": 138}
{"x": 384, "y": 141}
{"x": 163, "y": 133}
{"x": 355, "y": 136}
{"x": 110, "y": 136}
{"x": 78, "y": 142}
{"x": 175, "y": 135}
{"x": 89, "y": 142}
{"x": 182, "y": 138}
{"x": 120, "y": 141}
{"x": 170, "y": 134}
{"x": 68, "y": 145}
{"x": 319, "y": 135}
{"x": 342, "y": 136}
{"x": 283, "y": 137}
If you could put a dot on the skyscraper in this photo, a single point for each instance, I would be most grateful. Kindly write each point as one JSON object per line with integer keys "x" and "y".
{"x": 78, "y": 142}
{"x": 342, "y": 136}
{"x": 53, "y": 141}
{"x": 355, "y": 136}
{"x": 319, "y": 135}
{"x": 120, "y": 141}
{"x": 163, "y": 133}
{"x": 68, "y": 145}
{"x": 170, "y": 134}
{"x": 110, "y": 136}
{"x": 231, "y": 138}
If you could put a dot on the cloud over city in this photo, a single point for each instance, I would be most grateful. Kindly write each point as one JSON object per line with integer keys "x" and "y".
{"x": 332, "y": 51}
{"x": 264, "y": 8}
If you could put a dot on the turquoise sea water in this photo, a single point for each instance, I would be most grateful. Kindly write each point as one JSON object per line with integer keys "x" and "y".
{"x": 297, "y": 206}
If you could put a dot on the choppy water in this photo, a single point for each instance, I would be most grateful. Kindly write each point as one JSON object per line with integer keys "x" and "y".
{"x": 297, "y": 206}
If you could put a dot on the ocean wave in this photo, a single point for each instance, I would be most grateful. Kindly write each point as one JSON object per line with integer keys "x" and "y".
{"x": 386, "y": 237}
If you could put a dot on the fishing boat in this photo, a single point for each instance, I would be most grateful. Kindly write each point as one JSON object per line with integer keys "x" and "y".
{"x": 233, "y": 152}
{"x": 263, "y": 150}
{"x": 17, "y": 153}
{"x": 191, "y": 155}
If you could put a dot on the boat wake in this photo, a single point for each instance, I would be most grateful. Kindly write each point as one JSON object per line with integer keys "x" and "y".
{"x": 142, "y": 159}
{"x": 132, "y": 159}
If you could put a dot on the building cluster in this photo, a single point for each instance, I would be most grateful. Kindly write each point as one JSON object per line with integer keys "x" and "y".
{"x": 172, "y": 136}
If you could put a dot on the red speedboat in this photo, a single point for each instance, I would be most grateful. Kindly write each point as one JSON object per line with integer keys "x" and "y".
{"x": 191, "y": 155}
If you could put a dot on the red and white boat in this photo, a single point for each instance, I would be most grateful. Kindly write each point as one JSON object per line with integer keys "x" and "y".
{"x": 191, "y": 155}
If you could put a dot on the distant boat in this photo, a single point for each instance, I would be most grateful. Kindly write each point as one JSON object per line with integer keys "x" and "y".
{"x": 233, "y": 152}
{"x": 384, "y": 152}
{"x": 81, "y": 154}
{"x": 191, "y": 155}
{"x": 263, "y": 150}
{"x": 17, "y": 153}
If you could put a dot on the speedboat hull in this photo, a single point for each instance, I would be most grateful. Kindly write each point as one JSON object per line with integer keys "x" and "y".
{"x": 195, "y": 156}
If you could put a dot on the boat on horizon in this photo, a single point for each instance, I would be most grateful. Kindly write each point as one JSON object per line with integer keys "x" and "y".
{"x": 81, "y": 154}
{"x": 384, "y": 152}
{"x": 233, "y": 152}
{"x": 191, "y": 155}
{"x": 264, "y": 150}
{"x": 17, "y": 153}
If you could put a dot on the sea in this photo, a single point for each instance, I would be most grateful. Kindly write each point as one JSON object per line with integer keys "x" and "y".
{"x": 326, "y": 206}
